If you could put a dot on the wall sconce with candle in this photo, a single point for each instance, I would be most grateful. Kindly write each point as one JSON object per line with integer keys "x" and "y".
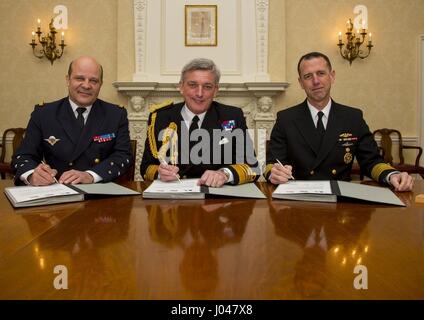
{"x": 49, "y": 48}
{"x": 354, "y": 42}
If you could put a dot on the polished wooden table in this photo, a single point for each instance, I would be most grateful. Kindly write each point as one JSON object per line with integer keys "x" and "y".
{"x": 130, "y": 248}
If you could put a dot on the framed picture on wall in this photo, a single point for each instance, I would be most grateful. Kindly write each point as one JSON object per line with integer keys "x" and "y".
{"x": 201, "y": 25}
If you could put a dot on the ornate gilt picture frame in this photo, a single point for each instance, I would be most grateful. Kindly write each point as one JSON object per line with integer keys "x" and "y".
{"x": 201, "y": 28}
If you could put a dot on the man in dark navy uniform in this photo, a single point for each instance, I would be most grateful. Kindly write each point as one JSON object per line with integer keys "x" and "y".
{"x": 319, "y": 138}
{"x": 199, "y": 138}
{"x": 78, "y": 139}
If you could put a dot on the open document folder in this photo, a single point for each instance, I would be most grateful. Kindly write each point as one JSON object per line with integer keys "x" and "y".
{"x": 328, "y": 191}
{"x": 188, "y": 189}
{"x": 29, "y": 196}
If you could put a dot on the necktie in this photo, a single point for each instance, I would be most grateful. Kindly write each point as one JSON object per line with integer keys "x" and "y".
{"x": 320, "y": 128}
{"x": 193, "y": 126}
{"x": 80, "y": 118}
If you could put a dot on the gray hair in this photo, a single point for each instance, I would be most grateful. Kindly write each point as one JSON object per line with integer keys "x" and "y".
{"x": 201, "y": 64}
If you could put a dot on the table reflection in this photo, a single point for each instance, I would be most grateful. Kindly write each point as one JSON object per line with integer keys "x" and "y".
{"x": 323, "y": 231}
{"x": 199, "y": 230}
{"x": 84, "y": 242}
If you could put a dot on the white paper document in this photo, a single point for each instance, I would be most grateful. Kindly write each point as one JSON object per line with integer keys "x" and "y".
{"x": 305, "y": 191}
{"x": 27, "y": 193}
{"x": 299, "y": 186}
{"x": 186, "y": 189}
{"x": 27, "y": 196}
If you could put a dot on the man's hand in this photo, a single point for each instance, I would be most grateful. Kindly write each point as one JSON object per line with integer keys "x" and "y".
{"x": 213, "y": 179}
{"x": 402, "y": 181}
{"x": 75, "y": 177}
{"x": 43, "y": 175}
{"x": 280, "y": 173}
{"x": 168, "y": 172}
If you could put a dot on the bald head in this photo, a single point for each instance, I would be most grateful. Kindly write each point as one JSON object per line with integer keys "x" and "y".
{"x": 86, "y": 60}
{"x": 84, "y": 79}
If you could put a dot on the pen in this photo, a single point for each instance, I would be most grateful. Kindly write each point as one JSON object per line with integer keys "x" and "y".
{"x": 291, "y": 176}
{"x": 164, "y": 163}
{"x": 54, "y": 178}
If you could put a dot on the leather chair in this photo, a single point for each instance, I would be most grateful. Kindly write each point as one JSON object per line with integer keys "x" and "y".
{"x": 18, "y": 134}
{"x": 388, "y": 150}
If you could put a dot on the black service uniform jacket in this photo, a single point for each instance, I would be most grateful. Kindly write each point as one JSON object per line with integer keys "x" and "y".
{"x": 294, "y": 141}
{"x": 103, "y": 145}
{"x": 220, "y": 122}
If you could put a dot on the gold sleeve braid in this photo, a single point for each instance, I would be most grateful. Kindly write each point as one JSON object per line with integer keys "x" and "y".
{"x": 244, "y": 172}
{"x": 378, "y": 169}
{"x": 267, "y": 170}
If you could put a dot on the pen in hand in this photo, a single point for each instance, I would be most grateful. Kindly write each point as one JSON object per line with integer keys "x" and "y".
{"x": 54, "y": 178}
{"x": 164, "y": 163}
{"x": 291, "y": 176}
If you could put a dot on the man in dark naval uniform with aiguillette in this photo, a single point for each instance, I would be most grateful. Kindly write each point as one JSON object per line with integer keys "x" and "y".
{"x": 199, "y": 138}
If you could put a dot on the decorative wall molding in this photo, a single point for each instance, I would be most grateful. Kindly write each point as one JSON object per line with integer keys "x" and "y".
{"x": 241, "y": 55}
{"x": 258, "y": 89}
{"x": 262, "y": 15}
{"x": 247, "y": 51}
{"x": 140, "y": 33}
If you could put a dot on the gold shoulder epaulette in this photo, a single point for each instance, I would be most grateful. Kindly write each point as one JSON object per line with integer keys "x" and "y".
{"x": 41, "y": 104}
{"x": 156, "y": 107}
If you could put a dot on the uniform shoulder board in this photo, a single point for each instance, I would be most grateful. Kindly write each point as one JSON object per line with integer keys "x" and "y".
{"x": 156, "y": 107}
{"x": 41, "y": 104}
